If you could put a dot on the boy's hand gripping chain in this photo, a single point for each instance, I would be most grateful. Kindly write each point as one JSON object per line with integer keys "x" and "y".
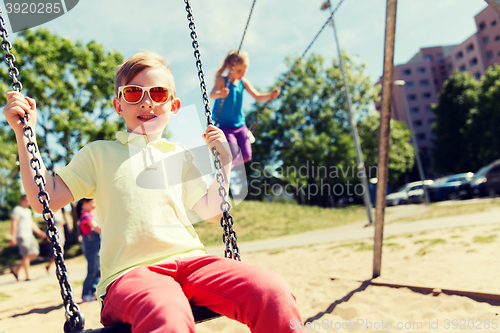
{"x": 74, "y": 318}
{"x": 226, "y": 221}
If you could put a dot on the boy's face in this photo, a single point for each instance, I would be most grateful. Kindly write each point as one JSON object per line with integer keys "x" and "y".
{"x": 147, "y": 117}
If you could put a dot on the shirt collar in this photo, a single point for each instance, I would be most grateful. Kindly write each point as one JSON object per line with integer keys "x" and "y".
{"x": 142, "y": 140}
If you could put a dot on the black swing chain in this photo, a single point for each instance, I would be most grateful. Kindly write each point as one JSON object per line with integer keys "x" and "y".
{"x": 230, "y": 75}
{"x": 74, "y": 318}
{"x": 226, "y": 221}
{"x": 251, "y": 128}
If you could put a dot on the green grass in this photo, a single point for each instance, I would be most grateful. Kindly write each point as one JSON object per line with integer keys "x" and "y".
{"x": 4, "y": 296}
{"x": 259, "y": 220}
{"x": 429, "y": 243}
{"x": 485, "y": 239}
{"x": 433, "y": 211}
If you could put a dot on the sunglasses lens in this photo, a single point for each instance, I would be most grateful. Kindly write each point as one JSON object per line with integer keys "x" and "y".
{"x": 132, "y": 94}
{"x": 158, "y": 94}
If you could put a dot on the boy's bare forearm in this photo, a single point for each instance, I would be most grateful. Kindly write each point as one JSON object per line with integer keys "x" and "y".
{"x": 212, "y": 211}
{"x": 28, "y": 175}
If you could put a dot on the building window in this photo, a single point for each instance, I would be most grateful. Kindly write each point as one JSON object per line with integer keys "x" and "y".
{"x": 477, "y": 75}
{"x": 473, "y": 62}
{"x": 414, "y": 109}
{"x": 428, "y": 108}
{"x": 486, "y": 40}
{"x": 450, "y": 67}
{"x": 470, "y": 48}
{"x": 436, "y": 82}
{"x": 420, "y": 136}
{"x": 426, "y": 95}
{"x": 497, "y": 38}
{"x": 406, "y": 72}
{"x": 409, "y": 84}
{"x": 441, "y": 61}
{"x": 424, "y": 83}
{"x": 429, "y": 58}
{"x": 431, "y": 121}
{"x": 493, "y": 23}
{"x": 417, "y": 123}
{"x": 442, "y": 67}
{"x": 421, "y": 70}
{"x": 443, "y": 73}
{"x": 482, "y": 25}
{"x": 412, "y": 97}
{"x": 463, "y": 68}
{"x": 489, "y": 54}
{"x": 460, "y": 54}
{"x": 439, "y": 55}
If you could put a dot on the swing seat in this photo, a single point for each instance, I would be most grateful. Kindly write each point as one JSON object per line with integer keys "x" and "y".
{"x": 200, "y": 313}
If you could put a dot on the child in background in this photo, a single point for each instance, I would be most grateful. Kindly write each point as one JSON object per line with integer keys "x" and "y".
{"x": 231, "y": 119}
{"x": 153, "y": 264}
{"x": 91, "y": 245}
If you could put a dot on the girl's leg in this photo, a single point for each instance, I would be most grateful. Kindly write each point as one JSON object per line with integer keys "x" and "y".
{"x": 229, "y": 132}
{"x": 150, "y": 302}
{"x": 244, "y": 143}
{"x": 252, "y": 295}
{"x": 91, "y": 246}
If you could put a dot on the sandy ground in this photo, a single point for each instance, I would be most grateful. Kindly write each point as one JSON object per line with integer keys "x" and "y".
{"x": 327, "y": 282}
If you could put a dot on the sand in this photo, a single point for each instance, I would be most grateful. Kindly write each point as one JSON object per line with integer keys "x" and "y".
{"x": 327, "y": 280}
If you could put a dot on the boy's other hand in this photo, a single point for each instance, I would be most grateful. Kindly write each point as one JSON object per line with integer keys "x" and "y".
{"x": 275, "y": 93}
{"x": 214, "y": 137}
{"x": 18, "y": 106}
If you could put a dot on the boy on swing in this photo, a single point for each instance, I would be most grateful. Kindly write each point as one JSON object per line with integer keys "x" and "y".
{"x": 153, "y": 265}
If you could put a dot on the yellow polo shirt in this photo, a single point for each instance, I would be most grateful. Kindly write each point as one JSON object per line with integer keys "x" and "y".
{"x": 140, "y": 190}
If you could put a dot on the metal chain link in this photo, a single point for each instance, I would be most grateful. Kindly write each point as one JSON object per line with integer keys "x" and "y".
{"x": 74, "y": 318}
{"x": 226, "y": 221}
{"x": 251, "y": 128}
{"x": 230, "y": 76}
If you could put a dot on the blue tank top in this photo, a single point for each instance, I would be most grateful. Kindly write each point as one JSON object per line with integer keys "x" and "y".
{"x": 231, "y": 114}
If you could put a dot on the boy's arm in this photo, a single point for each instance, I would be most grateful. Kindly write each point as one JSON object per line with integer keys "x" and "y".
{"x": 208, "y": 207}
{"x": 37, "y": 231}
{"x": 13, "y": 231}
{"x": 17, "y": 106}
{"x": 259, "y": 97}
{"x": 219, "y": 91}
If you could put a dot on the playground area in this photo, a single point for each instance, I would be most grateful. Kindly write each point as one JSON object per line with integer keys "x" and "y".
{"x": 334, "y": 291}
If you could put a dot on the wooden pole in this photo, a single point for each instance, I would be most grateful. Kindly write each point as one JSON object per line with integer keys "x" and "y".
{"x": 495, "y": 4}
{"x": 383, "y": 150}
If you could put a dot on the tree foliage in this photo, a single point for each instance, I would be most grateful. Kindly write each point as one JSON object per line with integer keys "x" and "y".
{"x": 309, "y": 128}
{"x": 73, "y": 85}
{"x": 467, "y": 127}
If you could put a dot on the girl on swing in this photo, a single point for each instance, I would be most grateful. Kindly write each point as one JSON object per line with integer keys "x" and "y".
{"x": 230, "y": 118}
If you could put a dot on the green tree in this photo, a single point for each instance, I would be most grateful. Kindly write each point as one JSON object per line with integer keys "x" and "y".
{"x": 401, "y": 152}
{"x": 308, "y": 130}
{"x": 454, "y": 148}
{"x": 485, "y": 123}
{"x": 73, "y": 85}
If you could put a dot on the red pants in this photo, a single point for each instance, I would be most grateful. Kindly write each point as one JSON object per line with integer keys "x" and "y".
{"x": 157, "y": 298}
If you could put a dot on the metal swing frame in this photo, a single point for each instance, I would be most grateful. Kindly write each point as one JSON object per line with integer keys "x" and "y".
{"x": 75, "y": 320}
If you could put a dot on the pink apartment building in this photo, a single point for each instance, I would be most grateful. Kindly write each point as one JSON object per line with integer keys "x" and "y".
{"x": 425, "y": 73}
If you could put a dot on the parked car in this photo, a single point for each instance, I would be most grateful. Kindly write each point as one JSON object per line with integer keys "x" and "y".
{"x": 485, "y": 182}
{"x": 401, "y": 196}
{"x": 446, "y": 188}
{"x": 416, "y": 194}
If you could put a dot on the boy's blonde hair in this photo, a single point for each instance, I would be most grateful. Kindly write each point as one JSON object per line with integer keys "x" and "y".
{"x": 233, "y": 55}
{"x": 136, "y": 64}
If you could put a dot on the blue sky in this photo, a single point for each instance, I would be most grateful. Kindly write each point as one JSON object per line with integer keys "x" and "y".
{"x": 279, "y": 28}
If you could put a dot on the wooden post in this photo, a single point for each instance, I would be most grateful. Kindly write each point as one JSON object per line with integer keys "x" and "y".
{"x": 495, "y": 4}
{"x": 385, "y": 121}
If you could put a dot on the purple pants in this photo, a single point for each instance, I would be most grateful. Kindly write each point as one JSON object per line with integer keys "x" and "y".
{"x": 238, "y": 142}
